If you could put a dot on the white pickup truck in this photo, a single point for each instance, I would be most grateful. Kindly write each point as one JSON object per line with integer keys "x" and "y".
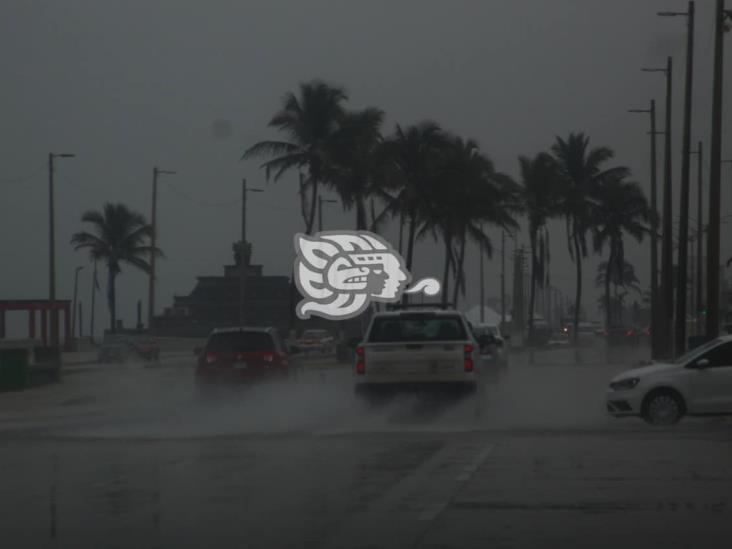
{"x": 416, "y": 347}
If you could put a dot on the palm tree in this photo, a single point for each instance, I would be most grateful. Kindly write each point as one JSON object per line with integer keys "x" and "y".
{"x": 492, "y": 199}
{"x": 580, "y": 171}
{"x": 309, "y": 121}
{"x": 118, "y": 235}
{"x": 354, "y": 160}
{"x": 465, "y": 193}
{"x": 620, "y": 276}
{"x": 411, "y": 159}
{"x": 540, "y": 194}
{"x": 621, "y": 208}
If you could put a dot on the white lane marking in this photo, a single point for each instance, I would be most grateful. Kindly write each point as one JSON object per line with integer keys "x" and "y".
{"x": 468, "y": 470}
{"x": 432, "y": 510}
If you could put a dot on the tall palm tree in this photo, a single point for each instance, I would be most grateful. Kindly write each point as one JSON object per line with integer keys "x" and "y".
{"x": 620, "y": 276}
{"x": 309, "y": 120}
{"x": 411, "y": 159}
{"x": 354, "y": 163}
{"x": 540, "y": 193}
{"x": 492, "y": 199}
{"x": 117, "y": 235}
{"x": 621, "y": 208}
{"x": 465, "y": 193}
{"x": 580, "y": 171}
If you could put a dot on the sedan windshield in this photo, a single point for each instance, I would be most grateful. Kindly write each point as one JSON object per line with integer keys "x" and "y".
{"x": 696, "y": 351}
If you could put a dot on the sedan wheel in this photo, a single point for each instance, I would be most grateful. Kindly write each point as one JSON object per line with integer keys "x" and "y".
{"x": 663, "y": 409}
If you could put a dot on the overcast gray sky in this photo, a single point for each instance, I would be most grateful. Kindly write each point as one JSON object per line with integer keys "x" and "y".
{"x": 129, "y": 85}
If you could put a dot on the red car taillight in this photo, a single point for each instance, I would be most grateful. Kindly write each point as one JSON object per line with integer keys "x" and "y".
{"x": 211, "y": 357}
{"x": 360, "y": 360}
{"x": 468, "y": 358}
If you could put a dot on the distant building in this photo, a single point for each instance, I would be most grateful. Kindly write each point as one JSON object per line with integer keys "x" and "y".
{"x": 214, "y": 302}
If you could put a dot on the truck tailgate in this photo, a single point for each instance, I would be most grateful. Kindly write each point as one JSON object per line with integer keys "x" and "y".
{"x": 414, "y": 358}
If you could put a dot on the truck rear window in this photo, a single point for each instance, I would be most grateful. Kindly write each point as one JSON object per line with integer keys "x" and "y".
{"x": 240, "y": 342}
{"x": 416, "y": 328}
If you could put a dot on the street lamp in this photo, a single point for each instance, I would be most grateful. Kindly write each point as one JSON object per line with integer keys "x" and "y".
{"x": 243, "y": 261}
{"x": 153, "y": 243}
{"x": 715, "y": 185}
{"x": 321, "y": 200}
{"x": 52, "y": 246}
{"x": 73, "y": 311}
{"x": 666, "y": 299}
{"x": 680, "y": 329}
{"x": 654, "y": 229}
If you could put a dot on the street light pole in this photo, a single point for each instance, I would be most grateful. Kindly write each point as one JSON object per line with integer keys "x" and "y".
{"x": 666, "y": 308}
{"x": 680, "y": 328}
{"x": 243, "y": 259}
{"x": 654, "y": 232}
{"x": 698, "y": 298}
{"x": 73, "y": 310}
{"x": 52, "y": 246}
{"x": 93, "y": 295}
{"x": 715, "y": 174}
{"x": 482, "y": 288}
{"x": 503, "y": 279}
{"x": 153, "y": 243}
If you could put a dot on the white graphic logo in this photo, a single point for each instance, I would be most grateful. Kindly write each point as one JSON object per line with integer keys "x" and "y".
{"x": 339, "y": 273}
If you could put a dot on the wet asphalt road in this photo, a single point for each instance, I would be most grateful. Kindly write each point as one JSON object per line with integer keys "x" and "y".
{"x": 136, "y": 457}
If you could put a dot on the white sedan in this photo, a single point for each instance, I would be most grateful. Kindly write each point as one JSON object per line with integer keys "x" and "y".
{"x": 697, "y": 383}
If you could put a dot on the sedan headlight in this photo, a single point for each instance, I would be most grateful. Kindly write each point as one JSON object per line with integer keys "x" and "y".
{"x": 624, "y": 384}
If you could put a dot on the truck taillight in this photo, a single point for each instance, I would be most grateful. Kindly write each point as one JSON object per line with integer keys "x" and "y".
{"x": 360, "y": 360}
{"x": 468, "y": 358}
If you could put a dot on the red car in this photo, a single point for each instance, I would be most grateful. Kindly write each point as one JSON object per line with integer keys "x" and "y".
{"x": 239, "y": 354}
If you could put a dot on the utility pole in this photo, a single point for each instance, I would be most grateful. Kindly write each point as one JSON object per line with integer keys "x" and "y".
{"x": 655, "y": 319}
{"x": 52, "y": 246}
{"x": 81, "y": 324}
{"x": 503, "y": 278}
{"x": 666, "y": 300}
{"x": 320, "y": 210}
{"x": 715, "y": 174}
{"x": 681, "y": 294}
{"x": 153, "y": 243}
{"x": 482, "y": 289}
{"x": 243, "y": 259}
{"x": 93, "y": 295}
{"x": 73, "y": 310}
{"x": 698, "y": 299}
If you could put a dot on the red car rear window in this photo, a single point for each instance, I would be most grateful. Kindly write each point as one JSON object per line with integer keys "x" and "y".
{"x": 240, "y": 342}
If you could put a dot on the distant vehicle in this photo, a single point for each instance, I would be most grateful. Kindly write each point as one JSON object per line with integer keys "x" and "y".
{"x": 418, "y": 346}
{"x": 541, "y": 332}
{"x": 697, "y": 383}
{"x": 559, "y": 339}
{"x": 598, "y": 327}
{"x": 117, "y": 348}
{"x": 494, "y": 344}
{"x": 623, "y": 335}
{"x": 238, "y": 354}
{"x": 147, "y": 348}
{"x": 318, "y": 341}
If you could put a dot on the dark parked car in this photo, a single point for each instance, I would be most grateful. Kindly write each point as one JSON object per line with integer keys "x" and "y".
{"x": 240, "y": 354}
